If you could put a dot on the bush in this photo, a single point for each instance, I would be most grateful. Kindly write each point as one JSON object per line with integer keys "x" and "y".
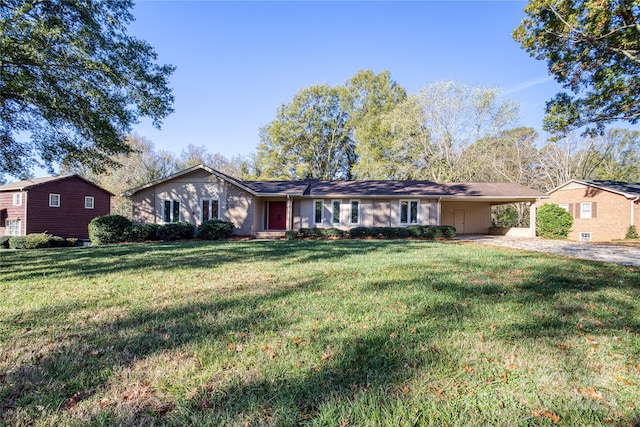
{"x": 447, "y": 231}
{"x": 4, "y": 241}
{"x": 57, "y": 242}
{"x": 359, "y": 232}
{"x": 215, "y": 229}
{"x": 141, "y": 233}
{"x": 37, "y": 241}
{"x": 553, "y": 222}
{"x": 291, "y": 235}
{"x": 632, "y": 233}
{"x": 332, "y": 232}
{"x": 17, "y": 242}
{"x": 176, "y": 231}
{"x": 108, "y": 229}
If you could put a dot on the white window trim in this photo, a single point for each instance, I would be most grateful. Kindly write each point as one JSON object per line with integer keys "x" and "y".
{"x": 8, "y": 227}
{"x": 93, "y": 202}
{"x": 409, "y": 201}
{"x": 17, "y": 199}
{"x": 210, "y": 200}
{"x": 339, "y": 212}
{"x": 564, "y": 206}
{"x": 172, "y": 219}
{"x": 315, "y": 202}
{"x": 351, "y": 211}
{"x": 51, "y": 205}
{"x": 585, "y": 236}
{"x": 583, "y": 212}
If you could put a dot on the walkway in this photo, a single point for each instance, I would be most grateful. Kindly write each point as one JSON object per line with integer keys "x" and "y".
{"x": 590, "y": 251}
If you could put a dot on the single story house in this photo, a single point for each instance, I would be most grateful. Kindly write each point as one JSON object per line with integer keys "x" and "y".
{"x": 260, "y": 207}
{"x": 59, "y": 205}
{"x": 602, "y": 210}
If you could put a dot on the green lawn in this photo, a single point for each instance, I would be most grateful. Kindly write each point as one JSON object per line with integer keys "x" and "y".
{"x": 347, "y": 332}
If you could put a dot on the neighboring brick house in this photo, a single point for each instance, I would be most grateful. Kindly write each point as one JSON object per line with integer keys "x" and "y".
{"x": 602, "y": 210}
{"x": 60, "y": 205}
{"x": 258, "y": 207}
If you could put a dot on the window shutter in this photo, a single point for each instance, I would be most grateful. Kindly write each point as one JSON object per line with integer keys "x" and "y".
{"x": 571, "y": 209}
{"x": 577, "y": 215}
{"x": 594, "y": 210}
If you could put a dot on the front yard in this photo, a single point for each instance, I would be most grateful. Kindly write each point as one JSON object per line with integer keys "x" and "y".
{"x": 348, "y": 332}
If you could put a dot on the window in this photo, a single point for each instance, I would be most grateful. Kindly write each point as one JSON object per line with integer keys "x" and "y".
{"x": 317, "y": 211}
{"x": 564, "y": 206}
{"x": 585, "y": 237}
{"x": 335, "y": 214}
{"x": 209, "y": 209}
{"x": 409, "y": 211}
{"x": 17, "y": 199}
{"x": 13, "y": 227}
{"x": 585, "y": 210}
{"x": 171, "y": 211}
{"x": 88, "y": 202}
{"x": 54, "y": 200}
{"x": 355, "y": 212}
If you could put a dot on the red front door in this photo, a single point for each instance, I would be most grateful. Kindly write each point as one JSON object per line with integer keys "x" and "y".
{"x": 277, "y": 215}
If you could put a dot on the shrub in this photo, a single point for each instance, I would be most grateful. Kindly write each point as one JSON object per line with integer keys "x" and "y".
{"x": 415, "y": 230}
{"x": 359, "y": 232}
{"x": 291, "y": 235}
{"x": 632, "y": 233}
{"x": 72, "y": 242}
{"x": 17, "y": 242}
{"x": 108, "y": 229}
{"x": 332, "y": 232}
{"x": 553, "y": 222}
{"x": 447, "y": 231}
{"x": 57, "y": 242}
{"x": 141, "y": 233}
{"x": 37, "y": 241}
{"x": 4, "y": 241}
{"x": 215, "y": 229}
{"x": 176, "y": 231}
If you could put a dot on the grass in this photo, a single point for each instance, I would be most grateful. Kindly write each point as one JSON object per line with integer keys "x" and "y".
{"x": 366, "y": 333}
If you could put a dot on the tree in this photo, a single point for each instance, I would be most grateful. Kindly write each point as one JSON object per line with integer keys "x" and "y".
{"x": 456, "y": 116}
{"x": 621, "y": 156}
{"x": 143, "y": 164}
{"x": 195, "y": 155}
{"x": 73, "y": 82}
{"x": 592, "y": 48}
{"x": 310, "y": 137}
{"x": 373, "y": 97}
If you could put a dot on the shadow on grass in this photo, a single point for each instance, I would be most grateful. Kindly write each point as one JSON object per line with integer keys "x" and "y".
{"x": 98, "y": 261}
{"x": 345, "y": 368}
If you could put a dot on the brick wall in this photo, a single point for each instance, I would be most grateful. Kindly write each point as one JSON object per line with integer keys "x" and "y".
{"x": 611, "y": 212}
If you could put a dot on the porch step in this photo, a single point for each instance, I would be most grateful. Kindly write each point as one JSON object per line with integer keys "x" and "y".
{"x": 269, "y": 235}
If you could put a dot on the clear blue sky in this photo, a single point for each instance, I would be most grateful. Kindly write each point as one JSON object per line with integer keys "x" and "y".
{"x": 237, "y": 62}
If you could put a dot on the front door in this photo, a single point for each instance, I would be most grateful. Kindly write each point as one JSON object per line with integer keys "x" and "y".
{"x": 458, "y": 221}
{"x": 277, "y": 216}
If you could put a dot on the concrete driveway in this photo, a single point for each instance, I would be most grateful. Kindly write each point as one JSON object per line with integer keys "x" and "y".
{"x": 595, "y": 252}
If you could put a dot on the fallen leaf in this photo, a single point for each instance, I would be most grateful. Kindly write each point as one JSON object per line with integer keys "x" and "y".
{"x": 405, "y": 389}
{"x": 193, "y": 393}
{"x": 326, "y": 356}
{"x": 591, "y": 341}
{"x": 590, "y": 392}
{"x": 468, "y": 369}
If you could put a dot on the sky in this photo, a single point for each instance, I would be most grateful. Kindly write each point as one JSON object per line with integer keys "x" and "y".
{"x": 238, "y": 62}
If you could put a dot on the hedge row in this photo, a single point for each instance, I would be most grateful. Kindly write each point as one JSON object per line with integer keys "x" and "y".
{"x": 116, "y": 228}
{"x": 420, "y": 231}
{"x": 36, "y": 241}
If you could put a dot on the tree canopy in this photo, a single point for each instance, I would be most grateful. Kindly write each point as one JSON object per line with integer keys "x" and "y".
{"x": 73, "y": 82}
{"x": 592, "y": 48}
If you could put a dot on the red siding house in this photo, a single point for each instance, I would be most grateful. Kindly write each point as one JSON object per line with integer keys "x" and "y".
{"x": 60, "y": 205}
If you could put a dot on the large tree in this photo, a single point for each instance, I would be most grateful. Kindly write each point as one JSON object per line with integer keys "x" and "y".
{"x": 592, "y": 48}
{"x": 310, "y": 137}
{"x": 374, "y": 97}
{"x": 73, "y": 82}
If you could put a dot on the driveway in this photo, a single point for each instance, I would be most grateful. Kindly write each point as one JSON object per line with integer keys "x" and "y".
{"x": 596, "y": 252}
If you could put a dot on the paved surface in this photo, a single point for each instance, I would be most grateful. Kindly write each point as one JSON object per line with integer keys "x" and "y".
{"x": 596, "y": 252}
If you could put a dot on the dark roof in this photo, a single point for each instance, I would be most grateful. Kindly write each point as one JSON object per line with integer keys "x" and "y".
{"x": 316, "y": 188}
{"x": 290, "y": 188}
{"x": 627, "y": 188}
{"x": 375, "y": 188}
{"x": 29, "y": 183}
